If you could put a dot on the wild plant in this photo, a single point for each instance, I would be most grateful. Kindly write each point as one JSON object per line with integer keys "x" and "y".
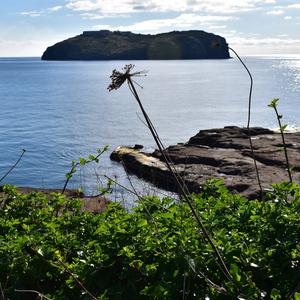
{"x": 82, "y": 162}
{"x": 273, "y": 104}
{"x": 249, "y": 120}
{"x": 117, "y": 80}
{"x": 13, "y": 166}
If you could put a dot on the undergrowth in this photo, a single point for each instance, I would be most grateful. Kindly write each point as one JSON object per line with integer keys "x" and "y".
{"x": 51, "y": 246}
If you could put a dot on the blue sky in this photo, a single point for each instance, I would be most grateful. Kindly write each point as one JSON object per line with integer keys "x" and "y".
{"x": 251, "y": 26}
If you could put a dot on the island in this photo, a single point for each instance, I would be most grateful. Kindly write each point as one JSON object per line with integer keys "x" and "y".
{"x": 116, "y": 45}
{"x": 222, "y": 153}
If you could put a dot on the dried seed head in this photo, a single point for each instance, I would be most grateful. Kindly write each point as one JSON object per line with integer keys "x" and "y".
{"x": 118, "y": 78}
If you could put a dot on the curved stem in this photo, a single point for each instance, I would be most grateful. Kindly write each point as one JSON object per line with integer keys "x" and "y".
{"x": 249, "y": 120}
{"x": 13, "y": 166}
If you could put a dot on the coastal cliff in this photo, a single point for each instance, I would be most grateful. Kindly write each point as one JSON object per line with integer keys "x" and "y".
{"x": 108, "y": 45}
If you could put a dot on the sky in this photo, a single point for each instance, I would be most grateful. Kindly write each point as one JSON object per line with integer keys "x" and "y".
{"x": 252, "y": 27}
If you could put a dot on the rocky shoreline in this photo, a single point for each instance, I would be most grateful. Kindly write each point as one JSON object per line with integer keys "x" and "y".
{"x": 94, "y": 204}
{"x": 222, "y": 153}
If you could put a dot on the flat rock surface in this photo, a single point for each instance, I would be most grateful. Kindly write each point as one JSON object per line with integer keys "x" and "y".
{"x": 219, "y": 153}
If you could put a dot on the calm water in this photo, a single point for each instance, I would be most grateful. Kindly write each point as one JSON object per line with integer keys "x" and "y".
{"x": 59, "y": 111}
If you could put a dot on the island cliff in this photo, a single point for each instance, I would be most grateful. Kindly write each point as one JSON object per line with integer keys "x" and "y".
{"x": 108, "y": 45}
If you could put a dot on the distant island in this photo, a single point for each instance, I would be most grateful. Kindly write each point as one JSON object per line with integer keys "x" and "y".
{"x": 116, "y": 45}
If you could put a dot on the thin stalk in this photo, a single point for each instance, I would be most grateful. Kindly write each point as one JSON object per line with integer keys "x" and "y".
{"x": 2, "y": 293}
{"x": 78, "y": 281}
{"x": 284, "y": 144}
{"x": 75, "y": 165}
{"x": 182, "y": 189}
{"x": 33, "y": 292}
{"x": 249, "y": 120}
{"x": 290, "y": 296}
{"x": 13, "y": 166}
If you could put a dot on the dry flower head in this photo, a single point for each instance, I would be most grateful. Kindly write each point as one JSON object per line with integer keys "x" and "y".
{"x": 118, "y": 78}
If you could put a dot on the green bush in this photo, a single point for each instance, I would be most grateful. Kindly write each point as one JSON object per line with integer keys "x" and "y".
{"x": 48, "y": 244}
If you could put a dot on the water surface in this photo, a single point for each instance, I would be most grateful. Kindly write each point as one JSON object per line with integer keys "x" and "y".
{"x": 60, "y": 111}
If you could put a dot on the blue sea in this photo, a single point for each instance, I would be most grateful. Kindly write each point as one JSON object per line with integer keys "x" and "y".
{"x": 60, "y": 111}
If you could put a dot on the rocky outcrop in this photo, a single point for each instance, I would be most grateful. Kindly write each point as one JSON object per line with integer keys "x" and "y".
{"x": 219, "y": 153}
{"x": 107, "y": 45}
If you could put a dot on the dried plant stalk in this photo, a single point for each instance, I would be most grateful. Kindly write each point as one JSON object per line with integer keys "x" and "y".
{"x": 118, "y": 78}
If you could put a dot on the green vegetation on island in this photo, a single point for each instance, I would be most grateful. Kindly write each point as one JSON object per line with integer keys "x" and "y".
{"x": 107, "y": 45}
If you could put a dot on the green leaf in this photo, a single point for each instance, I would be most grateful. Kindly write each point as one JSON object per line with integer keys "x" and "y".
{"x": 142, "y": 223}
{"x": 297, "y": 296}
{"x": 25, "y": 227}
{"x": 235, "y": 272}
{"x": 273, "y": 103}
{"x": 69, "y": 175}
{"x": 167, "y": 215}
{"x": 91, "y": 157}
{"x": 82, "y": 161}
{"x": 275, "y": 294}
{"x": 283, "y": 127}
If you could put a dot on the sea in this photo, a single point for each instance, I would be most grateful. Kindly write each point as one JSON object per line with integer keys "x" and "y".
{"x": 59, "y": 111}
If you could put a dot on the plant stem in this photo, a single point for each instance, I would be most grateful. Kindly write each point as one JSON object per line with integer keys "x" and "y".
{"x": 183, "y": 192}
{"x": 2, "y": 292}
{"x": 13, "y": 166}
{"x": 72, "y": 171}
{"x": 284, "y": 145}
{"x": 77, "y": 280}
{"x": 249, "y": 119}
{"x": 34, "y": 292}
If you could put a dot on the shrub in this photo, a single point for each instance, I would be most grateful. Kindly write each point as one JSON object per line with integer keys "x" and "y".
{"x": 48, "y": 244}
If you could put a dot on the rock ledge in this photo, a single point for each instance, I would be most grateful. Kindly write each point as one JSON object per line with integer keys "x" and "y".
{"x": 219, "y": 153}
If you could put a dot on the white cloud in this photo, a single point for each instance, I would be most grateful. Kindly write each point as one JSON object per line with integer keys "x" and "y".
{"x": 41, "y": 12}
{"x": 22, "y": 48}
{"x": 276, "y": 12}
{"x": 183, "y": 21}
{"x": 288, "y": 17}
{"x": 55, "y": 8}
{"x": 264, "y": 45}
{"x": 91, "y": 16}
{"x": 98, "y": 16}
{"x": 294, "y": 6}
{"x": 129, "y": 6}
{"x": 217, "y": 27}
{"x": 265, "y": 41}
{"x": 31, "y": 13}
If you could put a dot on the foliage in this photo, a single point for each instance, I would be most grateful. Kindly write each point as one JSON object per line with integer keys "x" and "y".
{"x": 82, "y": 162}
{"x": 273, "y": 104}
{"x": 48, "y": 244}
